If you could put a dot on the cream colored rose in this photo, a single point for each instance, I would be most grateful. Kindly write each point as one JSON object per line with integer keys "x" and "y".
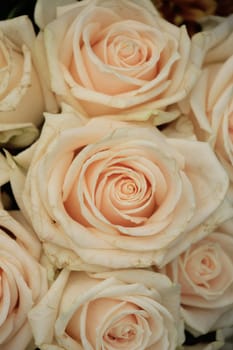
{"x": 130, "y": 309}
{"x": 120, "y": 58}
{"x": 21, "y": 98}
{"x": 22, "y": 280}
{"x": 116, "y": 194}
{"x": 204, "y": 272}
{"x": 211, "y": 99}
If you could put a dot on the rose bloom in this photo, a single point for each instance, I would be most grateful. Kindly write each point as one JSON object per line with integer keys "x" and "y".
{"x": 21, "y": 98}
{"x": 130, "y": 309}
{"x": 108, "y": 57}
{"x": 23, "y": 280}
{"x": 211, "y": 100}
{"x": 118, "y": 194}
{"x": 204, "y": 273}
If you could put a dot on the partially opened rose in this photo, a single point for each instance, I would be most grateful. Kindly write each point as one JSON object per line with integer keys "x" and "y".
{"x": 21, "y": 98}
{"x": 118, "y": 194}
{"x": 108, "y": 57}
{"x": 211, "y": 100}
{"x": 204, "y": 272}
{"x": 22, "y": 280}
{"x": 131, "y": 310}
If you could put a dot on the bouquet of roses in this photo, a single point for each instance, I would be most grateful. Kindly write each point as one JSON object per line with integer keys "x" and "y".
{"x": 116, "y": 207}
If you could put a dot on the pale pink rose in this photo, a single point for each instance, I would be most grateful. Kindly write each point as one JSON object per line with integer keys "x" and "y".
{"x": 205, "y": 274}
{"x": 23, "y": 280}
{"x": 21, "y": 98}
{"x": 118, "y": 194}
{"x": 211, "y": 99}
{"x": 128, "y": 309}
{"x": 120, "y": 58}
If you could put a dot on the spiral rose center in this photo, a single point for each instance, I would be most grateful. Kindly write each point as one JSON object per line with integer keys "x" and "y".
{"x": 126, "y": 188}
{"x": 203, "y": 266}
{"x": 207, "y": 265}
{"x": 127, "y": 48}
{"x": 120, "y": 333}
{"x": 122, "y": 189}
{"x": 124, "y": 195}
{"x": 129, "y": 52}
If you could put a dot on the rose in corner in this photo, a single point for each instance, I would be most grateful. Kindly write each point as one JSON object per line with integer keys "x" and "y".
{"x": 130, "y": 309}
{"x": 105, "y": 57}
{"x": 211, "y": 100}
{"x": 204, "y": 273}
{"x": 21, "y": 97}
{"x": 23, "y": 281}
{"x": 118, "y": 194}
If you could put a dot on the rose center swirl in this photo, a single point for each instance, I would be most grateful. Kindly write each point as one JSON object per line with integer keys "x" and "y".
{"x": 128, "y": 51}
{"x": 118, "y": 188}
{"x": 203, "y": 265}
{"x": 124, "y": 48}
{"x": 122, "y": 193}
{"x": 126, "y": 188}
{"x": 120, "y": 333}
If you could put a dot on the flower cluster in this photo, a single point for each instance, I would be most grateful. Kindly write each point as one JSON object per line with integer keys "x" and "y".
{"x": 116, "y": 208}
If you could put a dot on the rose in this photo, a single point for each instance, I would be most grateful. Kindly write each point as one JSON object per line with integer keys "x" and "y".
{"x": 130, "y": 309}
{"x": 21, "y": 98}
{"x": 204, "y": 272}
{"x": 211, "y": 99}
{"x": 118, "y": 194}
{"x": 22, "y": 280}
{"x": 105, "y": 57}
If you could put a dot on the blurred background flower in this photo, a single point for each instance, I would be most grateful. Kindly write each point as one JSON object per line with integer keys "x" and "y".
{"x": 189, "y": 12}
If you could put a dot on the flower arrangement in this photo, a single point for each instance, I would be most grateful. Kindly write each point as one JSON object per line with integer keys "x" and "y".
{"x": 116, "y": 206}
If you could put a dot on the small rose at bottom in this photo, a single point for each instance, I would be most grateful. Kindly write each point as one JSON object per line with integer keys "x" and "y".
{"x": 130, "y": 309}
{"x": 204, "y": 272}
{"x": 23, "y": 281}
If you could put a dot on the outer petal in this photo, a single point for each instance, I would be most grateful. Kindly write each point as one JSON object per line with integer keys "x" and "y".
{"x": 18, "y": 135}
{"x": 45, "y": 11}
{"x": 43, "y": 331}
